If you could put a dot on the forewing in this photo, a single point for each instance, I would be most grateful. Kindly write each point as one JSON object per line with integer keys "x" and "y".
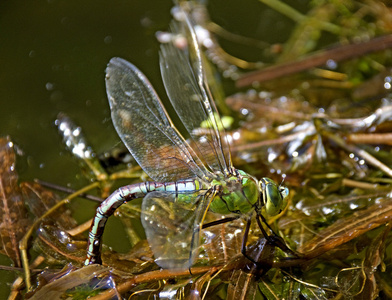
{"x": 143, "y": 125}
{"x": 186, "y": 86}
{"x": 172, "y": 228}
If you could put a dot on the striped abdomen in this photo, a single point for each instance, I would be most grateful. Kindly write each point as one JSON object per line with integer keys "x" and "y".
{"x": 127, "y": 193}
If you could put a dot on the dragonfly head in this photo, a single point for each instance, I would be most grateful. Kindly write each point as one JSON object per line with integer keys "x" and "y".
{"x": 273, "y": 195}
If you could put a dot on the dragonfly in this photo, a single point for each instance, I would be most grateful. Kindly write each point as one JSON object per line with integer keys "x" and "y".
{"x": 191, "y": 177}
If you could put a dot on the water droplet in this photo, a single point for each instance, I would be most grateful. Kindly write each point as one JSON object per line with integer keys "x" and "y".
{"x": 244, "y": 111}
{"x": 108, "y": 39}
{"x": 67, "y": 131}
{"x": 76, "y": 131}
{"x": 283, "y": 99}
{"x": 331, "y": 64}
{"x": 236, "y": 135}
{"x": 271, "y": 157}
{"x": 71, "y": 247}
{"x": 327, "y": 210}
{"x": 49, "y": 86}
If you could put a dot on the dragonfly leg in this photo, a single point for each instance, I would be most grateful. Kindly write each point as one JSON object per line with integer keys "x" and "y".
{"x": 201, "y": 215}
{"x": 245, "y": 240}
{"x": 104, "y": 211}
{"x": 263, "y": 253}
{"x": 220, "y": 221}
{"x": 274, "y": 238}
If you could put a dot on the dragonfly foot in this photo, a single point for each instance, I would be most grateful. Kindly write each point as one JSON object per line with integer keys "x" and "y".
{"x": 90, "y": 260}
{"x": 280, "y": 243}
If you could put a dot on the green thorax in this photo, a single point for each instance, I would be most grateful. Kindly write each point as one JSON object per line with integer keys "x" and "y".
{"x": 238, "y": 194}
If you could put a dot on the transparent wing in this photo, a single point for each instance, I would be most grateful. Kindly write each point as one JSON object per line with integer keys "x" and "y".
{"x": 186, "y": 86}
{"x": 173, "y": 228}
{"x": 143, "y": 125}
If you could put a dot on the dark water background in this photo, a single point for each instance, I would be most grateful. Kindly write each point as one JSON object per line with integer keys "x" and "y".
{"x": 53, "y": 55}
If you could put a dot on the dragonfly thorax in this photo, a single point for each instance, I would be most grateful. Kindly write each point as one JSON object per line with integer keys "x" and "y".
{"x": 236, "y": 194}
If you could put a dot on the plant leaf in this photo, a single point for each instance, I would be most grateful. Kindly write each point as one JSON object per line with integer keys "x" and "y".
{"x": 13, "y": 213}
{"x": 40, "y": 200}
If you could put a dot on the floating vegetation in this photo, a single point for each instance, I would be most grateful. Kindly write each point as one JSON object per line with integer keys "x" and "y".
{"x": 316, "y": 115}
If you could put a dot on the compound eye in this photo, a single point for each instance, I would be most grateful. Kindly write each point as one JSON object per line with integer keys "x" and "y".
{"x": 275, "y": 197}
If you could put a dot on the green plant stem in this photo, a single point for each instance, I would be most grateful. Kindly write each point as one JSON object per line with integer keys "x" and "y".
{"x": 296, "y": 16}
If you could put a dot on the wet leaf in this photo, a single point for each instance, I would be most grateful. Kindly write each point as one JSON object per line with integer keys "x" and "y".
{"x": 58, "y": 246}
{"x": 222, "y": 242}
{"x": 374, "y": 258}
{"x": 197, "y": 288}
{"x": 242, "y": 286}
{"x": 348, "y": 228}
{"x": 41, "y": 200}
{"x": 13, "y": 213}
{"x": 313, "y": 293}
{"x": 75, "y": 284}
{"x": 138, "y": 260}
{"x": 271, "y": 291}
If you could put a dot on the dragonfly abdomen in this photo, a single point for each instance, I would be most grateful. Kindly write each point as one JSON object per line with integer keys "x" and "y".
{"x": 181, "y": 189}
{"x": 139, "y": 190}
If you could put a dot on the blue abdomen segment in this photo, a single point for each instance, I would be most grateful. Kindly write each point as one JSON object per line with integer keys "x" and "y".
{"x": 127, "y": 193}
